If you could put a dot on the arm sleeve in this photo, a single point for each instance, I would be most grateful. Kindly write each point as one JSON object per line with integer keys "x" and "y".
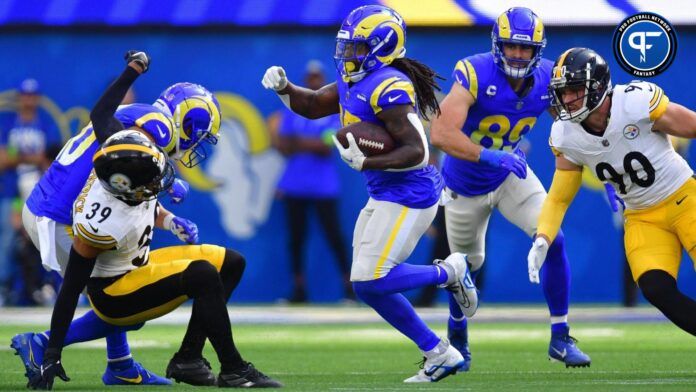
{"x": 87, "y": 234}
{"x": 392, "y": 92}
{"x": 658, "y": 103}
{"x": 160, "y": 127}
{"x": 564, "y": 187}
{"x": 102, "y": 115}
{"x": 465, "y": 74}
{"x": 77, "y": 274}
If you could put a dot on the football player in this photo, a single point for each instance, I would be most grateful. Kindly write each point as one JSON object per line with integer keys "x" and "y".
{"x": 377, "y": 84}
{"x": 47, "y": 213}
{"x": 113, "y": 220}
{"x": 621, "y": 135}
{"x": 495, "y": 100}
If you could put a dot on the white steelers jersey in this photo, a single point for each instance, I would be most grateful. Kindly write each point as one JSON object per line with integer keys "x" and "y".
{"x": 123, "y": 231}
{"x": 640, "y": 163}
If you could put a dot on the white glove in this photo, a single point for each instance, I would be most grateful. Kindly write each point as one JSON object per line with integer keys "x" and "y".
{"x": 274, "y": 78}
{"x": 351, "y": 155}
{"x": 536, "y": 258}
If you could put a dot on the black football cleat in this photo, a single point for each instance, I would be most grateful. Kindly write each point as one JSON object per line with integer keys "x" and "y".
{"x": 246, "y": 376}
{"x": 191, "y": 371}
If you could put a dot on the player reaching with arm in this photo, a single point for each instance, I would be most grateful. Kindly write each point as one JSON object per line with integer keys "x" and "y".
{"x": 631, "y": 151}
{"x": 378, "y": 84}
{"x": 47, "y": 214}
{"x": 495, "y": 100}
{"x": 114, "y": 217}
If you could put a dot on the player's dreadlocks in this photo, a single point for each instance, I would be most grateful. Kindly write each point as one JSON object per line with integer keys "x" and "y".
{"x": 423, "y": 78}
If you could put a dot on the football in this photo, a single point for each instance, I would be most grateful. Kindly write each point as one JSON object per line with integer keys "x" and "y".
{"x": 371, "y": 138}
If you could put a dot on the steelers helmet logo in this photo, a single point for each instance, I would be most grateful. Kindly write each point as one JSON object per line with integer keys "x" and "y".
{"x": 645, "y": 44}
{"x": 120, "y": 182}
{"x": 631, "y": 131}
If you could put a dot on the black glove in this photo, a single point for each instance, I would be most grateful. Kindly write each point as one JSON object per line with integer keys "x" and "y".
{"x": 50, "y": 368}
{"x": 139, "y": 57}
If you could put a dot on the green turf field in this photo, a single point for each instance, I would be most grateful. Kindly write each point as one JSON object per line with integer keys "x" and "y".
{"x": 506, "y": 357}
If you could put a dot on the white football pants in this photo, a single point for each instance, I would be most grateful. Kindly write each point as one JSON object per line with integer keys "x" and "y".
{"x": 52, "y": 239}
{"x": 466, "y": 218}
{"x": 385, "y": 235}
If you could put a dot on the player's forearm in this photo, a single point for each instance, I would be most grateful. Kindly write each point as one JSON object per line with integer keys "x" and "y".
{"x": 404, "y": 157}
{"x": 309, "y": 103}
{"x": 456, "y": 144}
{"x": 76, "y": 275}
{"x": 162, "y": 213}
{"x": 564, "y": 187}
{"x": 103, "y": 111}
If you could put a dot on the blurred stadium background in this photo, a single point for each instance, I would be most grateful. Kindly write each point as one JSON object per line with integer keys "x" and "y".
{"x": 74, "y": 48}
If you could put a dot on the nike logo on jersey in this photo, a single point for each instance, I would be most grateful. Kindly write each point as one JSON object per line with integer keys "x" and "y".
{"x": 394, "y": 98}
{"x": 136, "y": 380}
{"x": 94, "y": 229}
{"x": 682, "y": 199}
{"x": 562, "y": 354}
{"x": 161, "y": 133}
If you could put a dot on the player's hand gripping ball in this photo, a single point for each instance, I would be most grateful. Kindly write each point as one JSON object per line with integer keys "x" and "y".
{"x": 370, "y": 138}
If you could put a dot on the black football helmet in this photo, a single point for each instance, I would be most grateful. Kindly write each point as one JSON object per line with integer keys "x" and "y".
{"x": 584, "y": 69}
{"x": 132, "y": 168}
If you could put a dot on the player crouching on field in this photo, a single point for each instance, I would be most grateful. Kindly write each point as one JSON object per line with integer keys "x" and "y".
{"x": 113, "y": 220}
{"x": 621, "y": 134}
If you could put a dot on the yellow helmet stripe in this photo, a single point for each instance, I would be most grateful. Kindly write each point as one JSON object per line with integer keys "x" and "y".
{"x": 365, "y": 27}
{"x": 538, "y": 30}
{"x": 504, "y": 26}
{"x": 122, "y": 147}
{"x": 557, "y": 73}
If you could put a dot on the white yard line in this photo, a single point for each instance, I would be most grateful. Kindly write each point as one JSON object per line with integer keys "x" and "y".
{"x": 277, "y": 314}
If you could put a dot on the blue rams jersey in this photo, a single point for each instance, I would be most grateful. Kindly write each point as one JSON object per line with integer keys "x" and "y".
{"x": 497, "y": 120}
{"x": 362, "y": 101}
{"x": 55, "y": 193}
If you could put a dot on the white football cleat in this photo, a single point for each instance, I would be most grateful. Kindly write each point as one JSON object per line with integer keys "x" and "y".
{"x": 437, "y": 366}
{"x": 461, "y": 287}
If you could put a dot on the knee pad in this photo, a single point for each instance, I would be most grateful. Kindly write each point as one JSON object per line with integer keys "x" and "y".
{"x": 200, "y": 277}
{"x": 658, "y": 287}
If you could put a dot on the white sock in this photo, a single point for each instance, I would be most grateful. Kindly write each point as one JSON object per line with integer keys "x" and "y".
{"x": 559, "y": 319}
{"x": 437, "y": 350}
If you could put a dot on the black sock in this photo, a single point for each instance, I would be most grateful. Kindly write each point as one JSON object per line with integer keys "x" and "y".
{"x": 660, "y": 288}
{"x": 203, "y": 283}
{"x": 194, "y": 339}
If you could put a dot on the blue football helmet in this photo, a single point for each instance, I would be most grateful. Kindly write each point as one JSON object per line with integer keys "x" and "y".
{"x": 196, "y": 115}
{"x": 519, "y": 26}
{"x": 370, "y": 38}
